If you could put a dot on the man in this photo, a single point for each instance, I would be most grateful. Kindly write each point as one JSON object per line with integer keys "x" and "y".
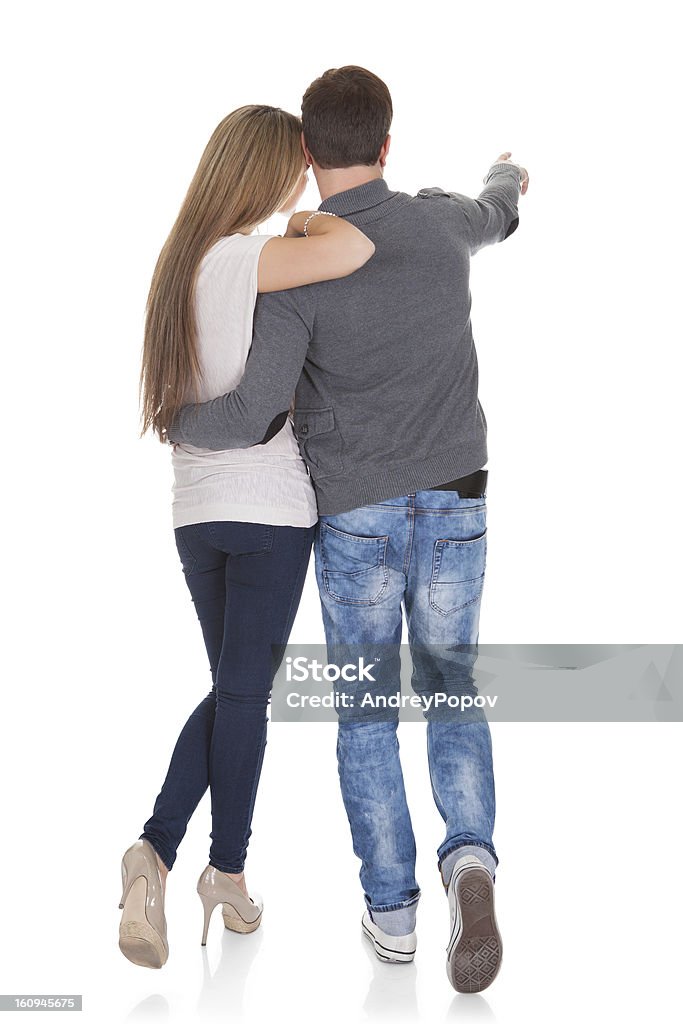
{"x": 391, "y": 428}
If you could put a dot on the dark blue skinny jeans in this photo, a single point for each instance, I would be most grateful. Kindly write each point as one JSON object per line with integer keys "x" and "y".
{"x": 246, "y": 581}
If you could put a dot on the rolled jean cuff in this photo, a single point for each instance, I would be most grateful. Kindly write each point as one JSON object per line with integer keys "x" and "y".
{"x": 395, "y": 918}
{"x": 452, "y": 855}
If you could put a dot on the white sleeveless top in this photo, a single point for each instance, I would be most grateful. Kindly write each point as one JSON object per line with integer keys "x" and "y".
{"x": 268, "y": 483}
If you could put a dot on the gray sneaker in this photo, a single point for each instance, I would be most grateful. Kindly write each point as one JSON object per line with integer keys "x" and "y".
{"x": 475, "y": 949}
{"x": 393, "y": 949}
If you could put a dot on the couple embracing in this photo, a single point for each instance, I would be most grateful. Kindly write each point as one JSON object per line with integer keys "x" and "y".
{"x": 319, "y": 391}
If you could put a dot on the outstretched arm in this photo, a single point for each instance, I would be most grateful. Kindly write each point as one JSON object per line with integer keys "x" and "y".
{"x": 257, "y": 409}
{"x": 493, "y": 215}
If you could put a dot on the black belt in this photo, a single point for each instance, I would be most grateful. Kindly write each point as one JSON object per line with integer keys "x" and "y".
{"x": 471, "y": 486}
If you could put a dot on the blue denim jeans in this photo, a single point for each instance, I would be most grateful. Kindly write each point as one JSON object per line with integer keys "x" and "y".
{"x": 426, "y": 553}
{"x": 245, "y": 580}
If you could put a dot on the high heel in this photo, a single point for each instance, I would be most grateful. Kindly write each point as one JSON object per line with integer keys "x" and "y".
{"x": 240, "y": 913}
{"x": 142, "y": 931}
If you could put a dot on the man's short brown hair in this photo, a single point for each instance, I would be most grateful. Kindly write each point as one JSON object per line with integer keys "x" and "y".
{"x": 346, "y": 116}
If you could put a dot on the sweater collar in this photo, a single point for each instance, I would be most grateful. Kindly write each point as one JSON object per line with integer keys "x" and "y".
{"x": 362, "y": 197}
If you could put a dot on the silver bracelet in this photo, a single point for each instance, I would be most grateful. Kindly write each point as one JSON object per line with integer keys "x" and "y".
{"x": 316, "y": 213}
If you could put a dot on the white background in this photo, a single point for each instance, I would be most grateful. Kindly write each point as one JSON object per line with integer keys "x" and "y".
{"x": 107, "y": 108}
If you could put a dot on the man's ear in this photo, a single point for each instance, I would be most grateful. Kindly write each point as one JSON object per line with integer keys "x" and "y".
{"x": 307, "y": 152}
{"x": 384, "y": 151}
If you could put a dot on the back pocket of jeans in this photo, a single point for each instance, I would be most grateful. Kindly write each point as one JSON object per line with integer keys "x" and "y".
{"x": 457, "y": 573}
{"x": 237, "y": 538}
{"x": 354, "y": 568}
{"x": 187, "y": 559}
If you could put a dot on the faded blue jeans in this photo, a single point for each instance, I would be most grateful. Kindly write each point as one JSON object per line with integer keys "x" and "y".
{"x": 426, "y": 553}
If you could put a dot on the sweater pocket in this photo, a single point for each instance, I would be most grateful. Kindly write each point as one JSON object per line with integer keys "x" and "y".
{"x": 320, "y": 441}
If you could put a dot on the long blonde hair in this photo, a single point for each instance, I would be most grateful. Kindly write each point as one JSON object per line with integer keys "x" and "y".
{"x": 250, "y": 167}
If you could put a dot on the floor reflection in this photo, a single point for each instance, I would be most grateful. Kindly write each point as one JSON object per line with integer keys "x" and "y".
{"x": 391, "y": 992}
{"x": 154, "y": 1007}
{"x": 223, "y": 990}
{"x": 467, "y": 1007}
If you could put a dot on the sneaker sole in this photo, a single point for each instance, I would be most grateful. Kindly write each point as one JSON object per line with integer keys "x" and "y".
{"x": 389, "y": 956}
{"x": 475, "y": 951}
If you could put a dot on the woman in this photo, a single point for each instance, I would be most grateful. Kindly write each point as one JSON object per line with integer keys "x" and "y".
{"x": 243, "y": 520}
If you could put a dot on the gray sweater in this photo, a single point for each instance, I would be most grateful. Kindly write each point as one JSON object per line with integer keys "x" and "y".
{"x": 383, "y": 361}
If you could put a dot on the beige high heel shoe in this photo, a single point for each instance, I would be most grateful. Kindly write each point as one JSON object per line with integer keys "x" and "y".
{"x": 240, "y": 913}
{"x": 142, "y": 931}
